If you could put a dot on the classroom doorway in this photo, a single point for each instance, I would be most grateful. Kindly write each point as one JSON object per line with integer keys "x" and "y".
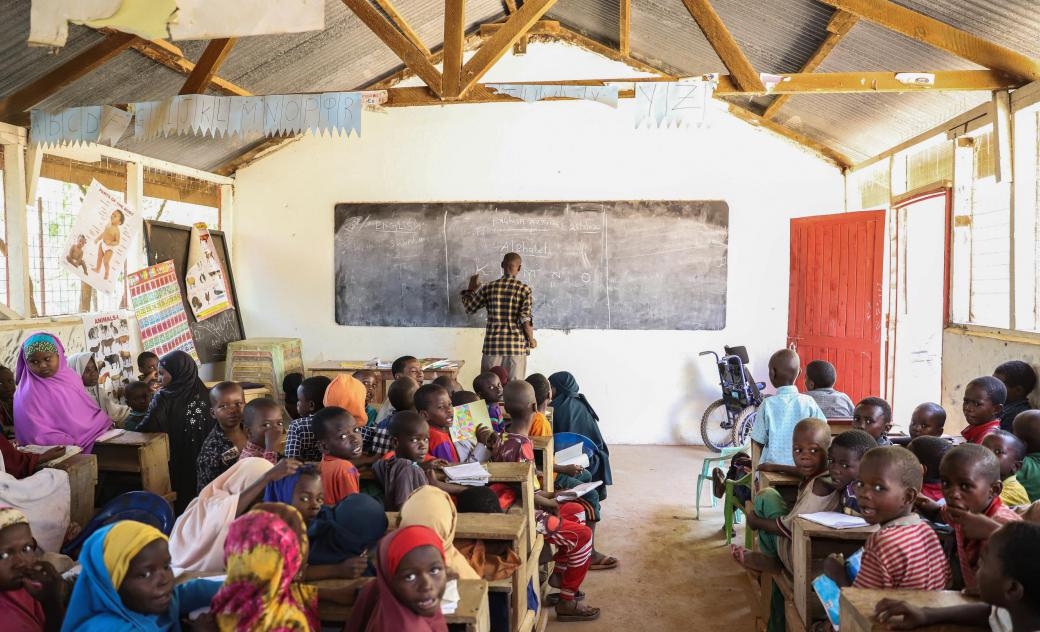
{"x": 917, "y": 299}
{"x": 834, "y": 309}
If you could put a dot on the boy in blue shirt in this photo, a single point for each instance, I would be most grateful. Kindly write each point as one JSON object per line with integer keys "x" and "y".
{"x": 778, "y": 415}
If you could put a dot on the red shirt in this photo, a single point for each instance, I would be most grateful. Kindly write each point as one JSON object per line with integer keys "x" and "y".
{"x": 339, "y": 478}
{"x": 905, "y": 553}
{"x": 441, "y": 446}
{"x": 932, "y": 491}
{"x": 969, "y": 551}
{"x": 975, "y": 434}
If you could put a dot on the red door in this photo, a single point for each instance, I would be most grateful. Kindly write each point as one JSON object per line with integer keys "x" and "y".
{"x": 834, "y": 312}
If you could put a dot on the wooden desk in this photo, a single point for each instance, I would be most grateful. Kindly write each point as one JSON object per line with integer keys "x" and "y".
{"x": 545, "y": 457}
{"x": 144, "y": 453}
{"x": 472, "y": 612}
{"x": 522, "y": 474}
{"x": 334, "y": 368}
{"x": 811, "y": 543}
{"x": 786, "y": 484}
{"x": 839, "y": 425}
{"x": 83, "y": 476}
{"x": 857, "y": 607}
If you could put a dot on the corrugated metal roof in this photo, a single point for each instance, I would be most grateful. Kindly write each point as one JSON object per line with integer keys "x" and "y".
{"x": 777, "y": 36}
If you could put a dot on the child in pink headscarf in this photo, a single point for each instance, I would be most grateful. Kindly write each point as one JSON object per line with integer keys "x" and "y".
{"x": 50, "y": 405}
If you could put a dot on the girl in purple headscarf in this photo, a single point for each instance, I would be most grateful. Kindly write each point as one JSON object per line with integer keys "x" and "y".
{"x": 50, "y": 405}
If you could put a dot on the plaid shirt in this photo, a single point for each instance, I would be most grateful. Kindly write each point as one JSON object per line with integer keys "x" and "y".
{"x": 508, "y": 304}
{"x": 300, "y": 442}
{"x": 376, "y": 440}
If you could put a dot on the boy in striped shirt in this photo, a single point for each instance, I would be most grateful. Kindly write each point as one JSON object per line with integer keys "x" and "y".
{"x": 905, "y": 552}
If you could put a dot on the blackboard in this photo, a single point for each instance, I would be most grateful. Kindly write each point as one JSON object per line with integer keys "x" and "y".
{"x": 591, "y": 265}
{"x": 165, "y": 241}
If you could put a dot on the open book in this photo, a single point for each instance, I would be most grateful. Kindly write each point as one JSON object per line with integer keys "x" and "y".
{"x": 451, "y": 598}
{"x": 472, "y": 474}
{"x": 574, "y": 455}
{"x": 835, "y": 520}
{"x": 577, "y": 491}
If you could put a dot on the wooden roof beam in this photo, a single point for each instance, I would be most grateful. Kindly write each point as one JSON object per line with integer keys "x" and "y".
{"x": 167, "y": 54}
{"x": 725, "y": 46}
{"x": 15, "y": 104}
{"x": 827, "y": 153}
{"x": 837, "y": 28}
{"x": 520, "y": 48}
{"x": 941, "y": 35}
{"x": 415, "y": 58}
{"x": 454, "y": 42}
{"x": 209, "y": 63}
{"x": 515, "y": 27}
{"x": 625, "y": 27}
{"x": 403, "y": 25}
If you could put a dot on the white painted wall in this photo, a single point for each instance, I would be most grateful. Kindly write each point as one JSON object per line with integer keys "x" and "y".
{"x": 647, "y": 386}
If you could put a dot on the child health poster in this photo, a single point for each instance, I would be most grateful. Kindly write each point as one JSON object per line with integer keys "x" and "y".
{"x": 207, "y": 291}
{"x": 100, "y": 239}
{"x": 156, "y": 296}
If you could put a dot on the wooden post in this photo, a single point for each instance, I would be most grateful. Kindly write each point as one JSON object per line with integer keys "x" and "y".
{"x": 454, "y": 34}
{"x": 17, "y": 223}
{"x": 625, "y": 27}
{"x": 43, "y": 279}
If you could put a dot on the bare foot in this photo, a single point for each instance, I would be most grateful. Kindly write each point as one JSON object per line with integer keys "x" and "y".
{"x": 754, "y": 561}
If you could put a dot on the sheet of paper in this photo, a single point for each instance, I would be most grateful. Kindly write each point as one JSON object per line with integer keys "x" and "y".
{"x": 205, "y": 280}
{"x": 451, "y": 598}
{"x": 49, "y": 19}
{"x": 607, "y": 95}
{"x": 156, "y": 296}
{"x": 70, "y": 451}
{"x": 672, "y": 104}
{"x": 111, "y": 434}
{"x": 835, "y": 520}
{"x": 146, "y": 18}
{"x": 467, "y": 471}
{"x": 573, "y": 455}
{"x": 468, "y": 418}
{"x": 110, "y": 340}
{"x": 87, "y": 124}
{"x": 577, "y": 491}
{"x": 207, "y": 19}
{"x": 100, "y": 239}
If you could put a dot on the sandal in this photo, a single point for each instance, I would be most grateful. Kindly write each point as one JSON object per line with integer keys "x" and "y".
{"x": 554, "y": 598}
{"x": 608, "y": 562}
{"x": 718, "y": 483}
{"x": 588, "y": 614}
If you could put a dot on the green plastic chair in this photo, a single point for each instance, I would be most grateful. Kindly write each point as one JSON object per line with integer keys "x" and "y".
{"x": 705, "y": 475}
{"x": 732, "y": 508}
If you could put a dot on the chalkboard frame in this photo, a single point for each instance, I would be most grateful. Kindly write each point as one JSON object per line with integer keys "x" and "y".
{"x": 220, "y": 241}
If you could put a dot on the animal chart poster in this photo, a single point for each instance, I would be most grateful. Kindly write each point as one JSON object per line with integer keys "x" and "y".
{"x": 100, "y": 239}
{"x": 207, "y": 291}
{"x": 156, "y": 296}
{"x": 111, "y": 340}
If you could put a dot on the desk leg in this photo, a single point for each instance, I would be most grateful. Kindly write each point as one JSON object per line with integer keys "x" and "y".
{"x": 155, "y": 469}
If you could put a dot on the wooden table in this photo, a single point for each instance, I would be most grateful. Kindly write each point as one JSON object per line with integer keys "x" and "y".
{"x": 786, "y": 484}
{"x": 811, "y": 543}
{"x": 83, "y": 476}
{"x": 545, "y": 458}
{"x": 472, "y": 612}
{"x": 839, "y": 425}
{"x": 857, "y": 607}
{"x": 334, "y": 368}
{"x": 523, "y": 475}
{"x": 144, "y": 453}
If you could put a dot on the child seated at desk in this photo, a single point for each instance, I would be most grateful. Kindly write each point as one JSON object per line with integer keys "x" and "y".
{"x": 337, "y": 434}
{"x": 291, "y": 386}
{"x": 262, "y": 421}
{"x": 368, "y": 380}
{"x": 778, "y": 415}
{"x": 873, "y": 415}
{"x": 904, "y": 552}
{"x": 1008, "y": 584}
{"x": 401, "y": 396}
{"x": 434, "y": 405}
{"x": 820, "y": 377}
{"x": 971, "y": 486}
{"x": 927, "y": 420}
{"x": 138, "y": 397}
{"x": 984, "y": 399}
{"x": 225, "y": 442}
{"x": 772, "y": 518}
{"x": 929, "y": 451}
{"x": 845, "y": 455}
{"x": 299, "y": 440}
{"x": 1019, "y": 380}
{"x": 540, "y": 426}
{"x": 409, "y": 466}
{"x": 1010, "y": 451}
{"x": 562, "y": 524}
{"x": 1027, "y": 428}
{"x": 32, "y": 594}
{"x": 488, "y": 387}
{"x": 405, "y": 366}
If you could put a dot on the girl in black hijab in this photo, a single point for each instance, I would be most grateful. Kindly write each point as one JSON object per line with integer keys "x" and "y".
{"x": 181, "y": 410}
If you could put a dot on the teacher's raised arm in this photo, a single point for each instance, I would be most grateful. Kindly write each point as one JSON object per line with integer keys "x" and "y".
{"x": 509, "y": 334}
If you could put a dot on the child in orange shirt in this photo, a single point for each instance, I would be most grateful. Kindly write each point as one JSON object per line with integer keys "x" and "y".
{"x": 540, "y": 426}
{"x": 337, "y": 433}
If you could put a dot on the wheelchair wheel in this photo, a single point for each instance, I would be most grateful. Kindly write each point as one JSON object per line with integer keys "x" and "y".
{"x": 715, "y": 427}
{"x": 742, "y": 429}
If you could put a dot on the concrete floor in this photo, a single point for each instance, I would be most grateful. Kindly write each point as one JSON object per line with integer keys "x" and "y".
{"x": 675, "y": 572}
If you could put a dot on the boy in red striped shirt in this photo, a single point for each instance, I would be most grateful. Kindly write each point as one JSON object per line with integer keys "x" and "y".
{"x": 904, "y": 552}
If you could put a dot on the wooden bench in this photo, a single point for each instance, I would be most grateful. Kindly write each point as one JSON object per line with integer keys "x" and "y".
{"x": 83, "y": 476}
{"x": 545, "y": 459}
{"x": 144, "y": 453}
{"x": 857, "y": 607}
{"x": 472, "y": 611}
{"x": 334, "y": 368}
{"x": 811, "y": 543}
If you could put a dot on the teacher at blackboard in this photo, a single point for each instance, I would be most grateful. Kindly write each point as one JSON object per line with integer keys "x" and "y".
{"x": 509, "y": 335}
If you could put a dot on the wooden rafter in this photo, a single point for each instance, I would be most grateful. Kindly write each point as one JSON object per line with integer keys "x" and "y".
{"x": 839, "y": 159}
{"x": 722, "y": 42}
{"x": 94, "y": 57}
{"x": 403, "y": 25}
{"x": 492, "y": 50}
{"x": 520, "y": 48}
{"x": 941, "y": 35}
{"x": 837, "y": 28}
{"x": 169, "y": 55}
{"x": 209, "y": 63}
{"x": 454, "y": 36}
{"x": 861, "y": 82}
{"x": 404, "y": 48}
{"x": 625, "y": 27}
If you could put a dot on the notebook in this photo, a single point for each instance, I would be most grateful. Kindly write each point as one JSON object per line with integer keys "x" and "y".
{"x": 577, "y": 491}
{"x": 835, "y": 520}
{"x": 574, "y": 455}
{"x": 472, "y": 474}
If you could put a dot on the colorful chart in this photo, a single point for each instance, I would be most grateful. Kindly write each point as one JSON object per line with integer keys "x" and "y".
{"x": 156, "y": 296}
